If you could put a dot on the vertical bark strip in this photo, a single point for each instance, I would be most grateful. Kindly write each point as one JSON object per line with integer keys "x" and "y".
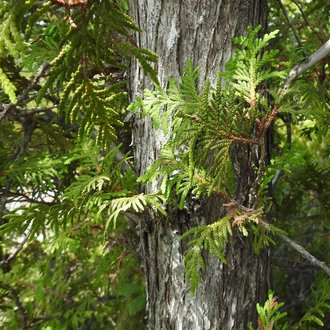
{"x": 201, "y": 31}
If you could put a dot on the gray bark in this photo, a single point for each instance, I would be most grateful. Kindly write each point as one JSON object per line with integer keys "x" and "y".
{"x": 199, "y": 30}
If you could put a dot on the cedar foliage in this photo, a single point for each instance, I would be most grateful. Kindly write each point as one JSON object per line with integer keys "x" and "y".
{"x": 69, "y": 196}
{"x": 204, "y": 126}
{"x": 63, "y": 100}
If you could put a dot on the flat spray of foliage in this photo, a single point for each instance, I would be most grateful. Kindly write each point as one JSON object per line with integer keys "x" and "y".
{"x": 205, "y": 126}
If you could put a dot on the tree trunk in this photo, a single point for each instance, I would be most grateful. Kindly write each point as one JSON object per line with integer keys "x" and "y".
{"x": 201, "y": 31}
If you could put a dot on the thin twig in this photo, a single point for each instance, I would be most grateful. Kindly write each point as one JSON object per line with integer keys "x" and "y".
{"x": 305, "y": 253}
{"x": 14, "y": 255}
{"x": 241, "y": 140}
{"x": 306, "y": 20}
{"x": 261, "y": 170}
{"x": 276, "y": 179}
{"x": 25, "y": 198}
{"x": 292, "y": 27}
{"x": 3, "y": 201}
{"x": 22, "y": 98}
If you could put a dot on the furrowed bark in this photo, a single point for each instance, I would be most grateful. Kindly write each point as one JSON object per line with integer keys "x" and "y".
{"x": 200, "y": 31}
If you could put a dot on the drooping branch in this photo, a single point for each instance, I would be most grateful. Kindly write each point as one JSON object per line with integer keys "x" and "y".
{"x": 314, "y": 261}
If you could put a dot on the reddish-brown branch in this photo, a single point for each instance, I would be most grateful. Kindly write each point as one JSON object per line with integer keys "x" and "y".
{"x": 240, "y": 139}
{"x": 263, "y": 126}
{"x": 272, "y": 116}
{"x": 241, "y": 218}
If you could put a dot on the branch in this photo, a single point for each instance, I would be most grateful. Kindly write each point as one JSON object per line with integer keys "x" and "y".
{"x": 18, "y": 303}
{"x": 26, "y": 198}
{"x": 29, "y": 127}
{"x": 306, "y": 20}
{"x": 240, "y": 139}
{"x": 276, "y": 179}
{"x": 305, "y": 253}
{"x": 306, "y": 64}
{"x": 3, "y": 200}
{"x": 21, "y": 99}
{"x": 6, "y": 262}
{"x": 296, "y": 35}
{"x": 297, "y": 70}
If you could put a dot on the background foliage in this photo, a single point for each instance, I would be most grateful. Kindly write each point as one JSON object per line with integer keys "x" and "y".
{"x": 301, "y": 146}
{"x": 69, "y": 196}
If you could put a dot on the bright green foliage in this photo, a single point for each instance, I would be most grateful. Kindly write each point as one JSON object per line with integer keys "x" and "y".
{"x": 93, "y": 106}
{"x": 179, "y": 175}
{"x": 204, "y": 126}
{"x": 75, "y": 240}
{"x": 269, "y": 314}
{"x": 103, "y": 193}
{"x": 135, "y": 203}
{"x": 253, "y": 66}
{"x": 198, "y": 130}
{"x": 271, "y": 318}
{"x": 86, "y": 64}
{"x": 8, "y": 87}
{"x": 11, "y": 43}
{"x": 74, "y": 281}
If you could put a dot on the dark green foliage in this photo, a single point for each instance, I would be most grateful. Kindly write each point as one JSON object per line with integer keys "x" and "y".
{"x": 316, "y": 314}
{"x": 63, "y": 173}
{"x": 212, "y": 238}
